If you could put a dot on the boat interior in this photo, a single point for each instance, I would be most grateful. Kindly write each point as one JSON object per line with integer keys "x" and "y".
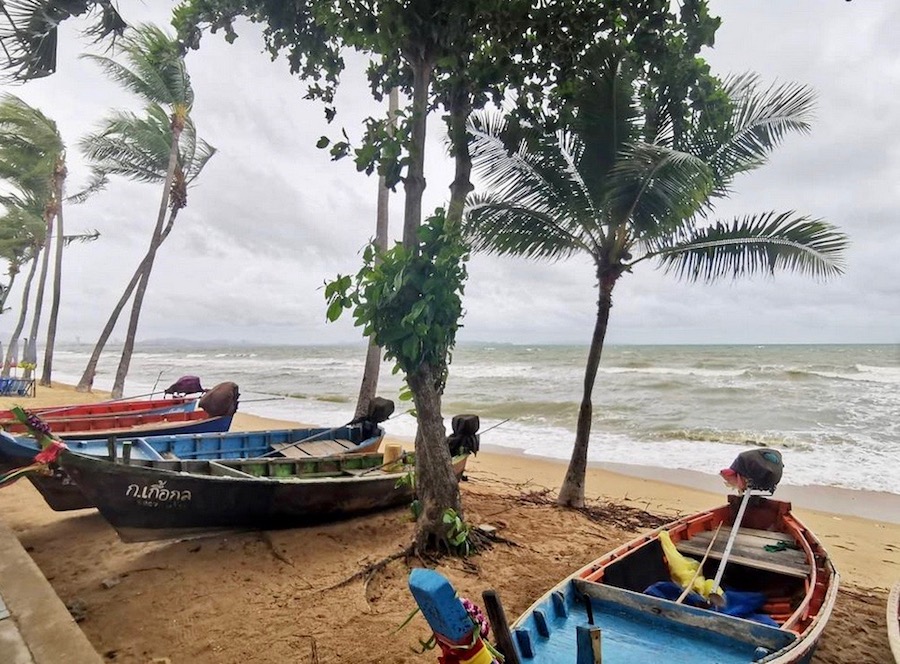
{"x": 772, "y": 554}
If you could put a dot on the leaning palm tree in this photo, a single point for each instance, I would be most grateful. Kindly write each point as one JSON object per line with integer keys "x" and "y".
{"x": 32, "y": 161}
{"x": 20, "y": 224}
{"x": 138, "y": 148}
{"x": 156, "y": 72}
{"x": 596, "y": 188}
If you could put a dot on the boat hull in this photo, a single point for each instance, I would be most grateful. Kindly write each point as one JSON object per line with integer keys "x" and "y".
{"x": 893, "y": 621}
{"x": 800, "y": 586}
{"x": 105, "y": 408}
{"x": 170, "y": 501}
{"x": 61, "y": 494}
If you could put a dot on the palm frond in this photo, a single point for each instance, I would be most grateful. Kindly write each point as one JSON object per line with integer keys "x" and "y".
{"x": 653, "y": 188}
{"x": 131, "y": 146}
{"x": 754, "y": 244}
{"x": 29, "y": 32}
{"x": 537, "y": 172}
{"x": 98, "y": 182}
{"x": 155, "y": 68}
{"x": 761, "y": 120}
{"x": 497, "y": 225}
{"x": 81, "y": 238}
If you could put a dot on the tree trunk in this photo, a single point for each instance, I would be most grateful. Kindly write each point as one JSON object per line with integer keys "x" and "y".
{"x": 436, "y": 486}
{"x": 59, "y": 181}
{"x": 90, "y": 371}
{"x": 571, "y": 493}
{"x": 39, "y": 298}
{"x": 155, "y": 241}
{"x": 14, "y": 340}
{"x": 414, "y": 184}
{"x": 13, "y": 273}
{"x": 369, "y": 384}
{"x": 459, "y": 106}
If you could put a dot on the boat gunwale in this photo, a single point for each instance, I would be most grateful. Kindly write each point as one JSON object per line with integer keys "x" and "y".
{"x": 893, "y": 621}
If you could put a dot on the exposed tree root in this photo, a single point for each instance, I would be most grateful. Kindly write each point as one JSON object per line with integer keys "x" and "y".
{"x": 267, "y": 538}
{"x": 623, "y": 516}
{"x": 368, "y": 572}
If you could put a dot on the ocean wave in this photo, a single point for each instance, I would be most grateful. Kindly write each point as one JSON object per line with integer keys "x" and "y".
{"x": 726, "y": 437}
{"x": 674, "y": 371}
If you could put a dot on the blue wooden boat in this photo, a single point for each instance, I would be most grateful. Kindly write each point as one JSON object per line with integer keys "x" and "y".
{"x": 61, "y": 494}
{"x": 776, "y": 565}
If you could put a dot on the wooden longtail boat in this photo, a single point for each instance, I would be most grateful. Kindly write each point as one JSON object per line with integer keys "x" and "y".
{"x": 48, "y": 413}
{"x": 61, "y": 494}
{"x": 893, "y": 621}
{"x": 151, "y": 500}
{"x": 773, "y": 554}
{"x": 131, "y": 424}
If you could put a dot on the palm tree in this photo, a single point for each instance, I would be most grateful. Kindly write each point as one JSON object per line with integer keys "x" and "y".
{"x": 138, "y": 148}
{"x": 21, "y": 223}
{"x": 32, "y": 161}
{"x": 157, "y": 73}
{"x": 595, "y": 188}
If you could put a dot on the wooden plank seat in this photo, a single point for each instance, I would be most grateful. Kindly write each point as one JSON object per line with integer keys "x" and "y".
{"x": 316, "y": 448}
{"x": 749, "y": 550}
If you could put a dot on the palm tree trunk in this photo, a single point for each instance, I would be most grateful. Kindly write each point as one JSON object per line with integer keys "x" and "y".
{"x": 571, "y": 493}
{"x": 90, "y": 371}
{"x": 14, "y": 340}
{"x": 155, "y": 242}
{"x": 369, "y": 384}
{"x": 59, "y": 181}
{"x": 13, "y": 273}
{"x": 436, "y": 486}
{"x": 39, "y": 298}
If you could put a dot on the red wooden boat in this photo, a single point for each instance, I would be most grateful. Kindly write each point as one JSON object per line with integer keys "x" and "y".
{"x": 102, "y": 408}
{"x": 131, "y": 424}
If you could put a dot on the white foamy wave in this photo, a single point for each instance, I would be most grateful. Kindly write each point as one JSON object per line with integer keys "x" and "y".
{"x": 674, "y": 371}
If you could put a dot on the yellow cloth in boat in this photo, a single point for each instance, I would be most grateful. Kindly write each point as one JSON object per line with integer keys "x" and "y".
{"x": 682, "y": 568}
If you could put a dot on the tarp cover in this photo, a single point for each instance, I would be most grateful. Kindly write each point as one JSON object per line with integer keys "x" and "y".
{"x": 185, "y": 385}
{"x": 761, "y": 467}
{"x": 221, "y": 400}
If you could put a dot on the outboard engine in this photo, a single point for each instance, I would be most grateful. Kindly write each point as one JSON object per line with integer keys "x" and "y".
{"x": 464, "y": 438}
{"x": 184, "y": 386}
{"x": 761, "y": 468}
{"x": 221, "y": 400}
{"x": 380, "y": 410}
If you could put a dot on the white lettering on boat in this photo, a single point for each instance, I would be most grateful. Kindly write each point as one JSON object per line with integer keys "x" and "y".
{"x": 157, "y": 495}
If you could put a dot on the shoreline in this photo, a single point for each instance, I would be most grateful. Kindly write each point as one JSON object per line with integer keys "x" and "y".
{"x": 860, "y": 503}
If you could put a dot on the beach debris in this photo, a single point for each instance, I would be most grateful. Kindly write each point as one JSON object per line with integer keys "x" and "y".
{"x": 77, "y": 609}
{"x": 111, "y": 582}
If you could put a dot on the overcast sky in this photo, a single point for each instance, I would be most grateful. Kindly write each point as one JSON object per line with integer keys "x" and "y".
{"x": 271, "y": 218}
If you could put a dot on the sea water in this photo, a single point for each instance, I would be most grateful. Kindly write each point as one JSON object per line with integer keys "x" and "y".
{"x": 833, "y": 411}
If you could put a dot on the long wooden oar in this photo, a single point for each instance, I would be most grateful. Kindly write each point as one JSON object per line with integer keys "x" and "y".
{"x": 715, "y": 597}
{"x": 690, "y": 584}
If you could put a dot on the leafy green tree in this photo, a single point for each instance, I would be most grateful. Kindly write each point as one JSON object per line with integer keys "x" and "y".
{"x": 454, "y": 56}
{"x": 157, "y": 74}
{"x": 138, "y": 148}
{"x": 597, "y": 188}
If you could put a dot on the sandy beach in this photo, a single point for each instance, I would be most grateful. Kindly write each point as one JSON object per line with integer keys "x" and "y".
{"x": 278, "y": 596}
